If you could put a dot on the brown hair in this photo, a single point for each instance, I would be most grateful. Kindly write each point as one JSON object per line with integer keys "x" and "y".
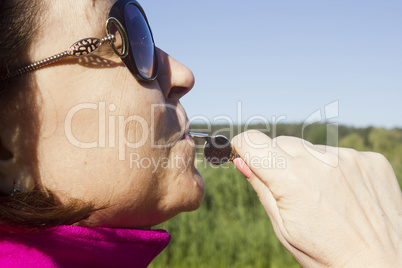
{"x": 18, "y": 25}
{"x": 19, "y": 22}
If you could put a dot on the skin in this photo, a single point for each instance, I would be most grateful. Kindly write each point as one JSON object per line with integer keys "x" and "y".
{"x": 343, "y": 215}
{"x": 137, "y": 194}
{"x": 338, "y": 208}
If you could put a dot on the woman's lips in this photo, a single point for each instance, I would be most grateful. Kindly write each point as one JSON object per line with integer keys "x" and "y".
{"x": 185, "y": 132}
{"x": 187, "y": 138}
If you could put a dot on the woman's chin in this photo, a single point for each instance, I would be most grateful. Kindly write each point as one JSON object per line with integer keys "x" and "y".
{"x": 188, "y": 189}
{"x": 199, "y": 191}
{"x": 187, "y": 193}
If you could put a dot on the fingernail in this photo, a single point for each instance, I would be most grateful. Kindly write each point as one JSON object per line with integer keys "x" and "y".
{"x": 242, "y": 167}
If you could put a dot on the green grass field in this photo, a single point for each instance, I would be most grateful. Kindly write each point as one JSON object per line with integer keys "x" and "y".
{"x": 231, "y": 229}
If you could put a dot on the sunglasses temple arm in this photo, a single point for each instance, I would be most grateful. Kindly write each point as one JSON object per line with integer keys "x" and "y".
{"x": 80, "y": 48}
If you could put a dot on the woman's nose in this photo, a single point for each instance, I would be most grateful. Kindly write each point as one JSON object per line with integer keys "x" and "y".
{"x": 174, "y": 78}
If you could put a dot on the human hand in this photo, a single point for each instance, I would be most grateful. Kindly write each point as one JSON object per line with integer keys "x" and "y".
{"x": 344, "y": 215}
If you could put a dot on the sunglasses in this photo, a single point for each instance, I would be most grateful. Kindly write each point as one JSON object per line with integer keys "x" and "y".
{"x": 128, "y": 22}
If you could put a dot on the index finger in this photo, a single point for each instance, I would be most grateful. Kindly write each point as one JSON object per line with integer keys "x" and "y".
{"x": 267, "y": 161}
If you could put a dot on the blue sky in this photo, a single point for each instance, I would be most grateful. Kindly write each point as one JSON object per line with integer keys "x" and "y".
{"x": 287, "y": 58}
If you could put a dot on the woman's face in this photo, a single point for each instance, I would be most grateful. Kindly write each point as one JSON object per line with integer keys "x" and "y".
{"x": 105, "y": 137}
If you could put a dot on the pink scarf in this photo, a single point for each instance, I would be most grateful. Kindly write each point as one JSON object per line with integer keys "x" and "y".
{"x": 74, "y": 246}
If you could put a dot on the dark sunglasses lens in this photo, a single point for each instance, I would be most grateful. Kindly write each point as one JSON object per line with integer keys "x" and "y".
{"x": 141, "y": 43}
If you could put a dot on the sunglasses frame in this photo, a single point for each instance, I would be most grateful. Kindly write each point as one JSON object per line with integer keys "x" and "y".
{"x": 116, "y": 17}
{"x": 89, "y": 45}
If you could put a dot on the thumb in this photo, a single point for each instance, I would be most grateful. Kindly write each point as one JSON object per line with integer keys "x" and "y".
{"x": 266, "y": 198}
{"x": 242, "y": 167}
{"x": 264, "y": 194}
